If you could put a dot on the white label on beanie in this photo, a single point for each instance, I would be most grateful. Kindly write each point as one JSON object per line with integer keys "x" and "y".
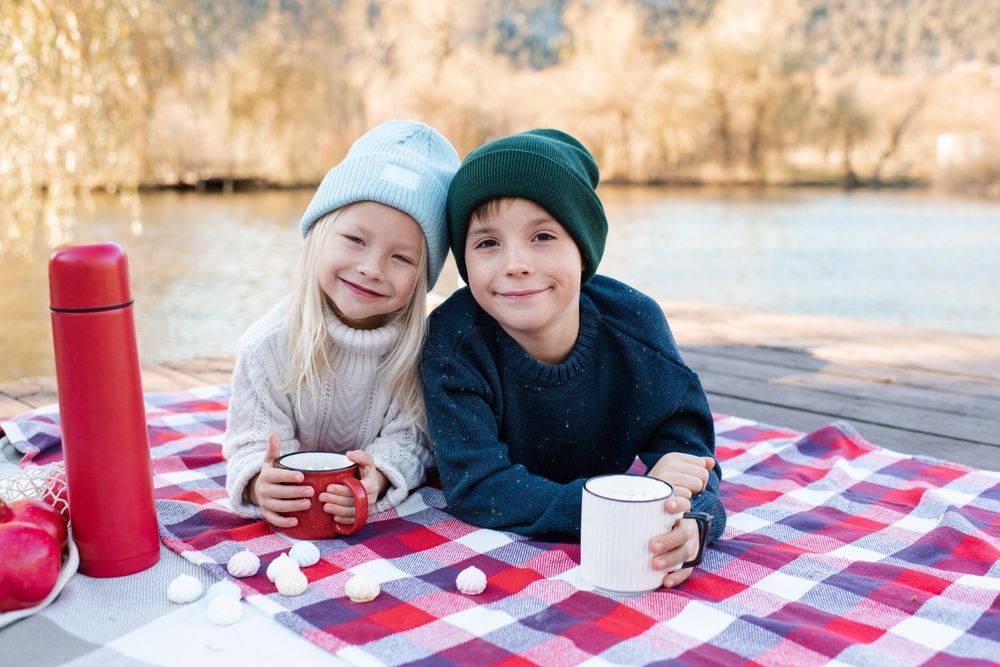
{"x": 399, "y": 176}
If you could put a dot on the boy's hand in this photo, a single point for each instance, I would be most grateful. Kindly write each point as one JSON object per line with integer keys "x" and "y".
{"x": 677, "y": 546}
{"x": 688, "y": 474}
{"x": 274, "y": 491}
{"x": 339, "y": 500}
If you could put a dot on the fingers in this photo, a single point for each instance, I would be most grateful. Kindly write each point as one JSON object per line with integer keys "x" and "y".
{"x": 682, "y": 491}
{"x": 692, "y": 476}
{"x": 674, "y": 548}
{"x": 273, "y": 448}
{"x": 338, "y": 500}
{"x": 676, "y": 578}
{"x": 361, "y": 457}
{"x": 337, "y": 494}
{"x": 677, "y": 505}
{"x": 278, "y": 520}
{"x": 283, "y": 497}
{"x": 271, "y": 475}
{"x": 684, "y": 471}
{"x": 373, "y": 479}
{"x": 277, "y": 491}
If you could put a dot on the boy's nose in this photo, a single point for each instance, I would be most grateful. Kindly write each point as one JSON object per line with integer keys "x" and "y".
{"x": 516, "y": 263}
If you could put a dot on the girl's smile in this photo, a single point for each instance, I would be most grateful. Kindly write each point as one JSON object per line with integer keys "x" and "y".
{"x": 363, "y": 292}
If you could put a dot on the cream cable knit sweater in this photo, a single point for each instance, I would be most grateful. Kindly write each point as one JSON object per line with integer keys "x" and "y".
{"x": 350, "y": 412}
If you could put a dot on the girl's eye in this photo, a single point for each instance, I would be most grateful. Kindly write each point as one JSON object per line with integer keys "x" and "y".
{"x": 485, "y": 243}
{"x": 354, "y": 239}
{"x": 404, "y": 259}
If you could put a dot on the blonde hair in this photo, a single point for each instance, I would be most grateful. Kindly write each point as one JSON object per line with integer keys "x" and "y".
{"x": 309, "y": 344}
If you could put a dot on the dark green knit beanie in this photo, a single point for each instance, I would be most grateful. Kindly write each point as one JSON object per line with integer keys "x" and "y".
{"x": 550, "y": 168}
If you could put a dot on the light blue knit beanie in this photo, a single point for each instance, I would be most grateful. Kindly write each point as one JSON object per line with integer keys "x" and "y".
{"x": 400, "y": 163}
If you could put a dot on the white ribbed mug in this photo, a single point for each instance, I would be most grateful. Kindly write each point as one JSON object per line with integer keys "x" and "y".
{"x": 621, "y": 514}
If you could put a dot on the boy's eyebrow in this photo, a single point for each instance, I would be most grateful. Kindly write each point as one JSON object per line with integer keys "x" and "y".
{"x": 482, "y": 228}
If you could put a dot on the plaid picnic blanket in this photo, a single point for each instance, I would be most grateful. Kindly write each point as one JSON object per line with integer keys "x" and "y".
{"x": 836, "y": 552}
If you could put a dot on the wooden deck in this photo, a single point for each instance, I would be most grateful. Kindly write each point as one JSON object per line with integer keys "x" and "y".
{"x": 912, "y": 390}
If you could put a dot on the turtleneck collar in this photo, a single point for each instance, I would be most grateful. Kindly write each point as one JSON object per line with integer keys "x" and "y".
{"x": 365, "y": 342}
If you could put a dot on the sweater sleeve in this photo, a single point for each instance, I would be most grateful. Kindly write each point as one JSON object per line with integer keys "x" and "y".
{"x": 481, "y": 484}
{"x": 691, "y": 430}
{"x": 257, "y": 407}
{"x": 400, "y": 452}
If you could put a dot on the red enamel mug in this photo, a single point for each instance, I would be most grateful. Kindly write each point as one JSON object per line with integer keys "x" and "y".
{"x": 319, "y": 470}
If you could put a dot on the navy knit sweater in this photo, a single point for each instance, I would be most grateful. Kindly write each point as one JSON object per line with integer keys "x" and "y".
{"x": 515, "y": 438}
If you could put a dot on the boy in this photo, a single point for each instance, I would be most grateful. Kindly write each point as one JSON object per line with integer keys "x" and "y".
{"x": 540, "y": 374}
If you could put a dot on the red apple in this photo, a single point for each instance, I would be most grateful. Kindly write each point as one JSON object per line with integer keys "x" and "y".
{"x": 38, "y": 513}
{"x": 29, "y": 565}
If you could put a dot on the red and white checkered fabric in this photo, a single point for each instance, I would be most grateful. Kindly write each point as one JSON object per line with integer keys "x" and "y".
{"x": 836, "y": 552}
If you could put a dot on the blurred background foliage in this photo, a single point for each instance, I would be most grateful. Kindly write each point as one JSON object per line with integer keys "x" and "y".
{"x": 123, "y": 94}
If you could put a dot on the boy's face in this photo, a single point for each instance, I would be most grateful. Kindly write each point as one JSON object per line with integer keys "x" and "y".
{"x": 525, "y": 271}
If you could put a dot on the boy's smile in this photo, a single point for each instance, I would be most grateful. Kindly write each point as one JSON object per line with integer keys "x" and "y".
{"x": 525, "y": 271}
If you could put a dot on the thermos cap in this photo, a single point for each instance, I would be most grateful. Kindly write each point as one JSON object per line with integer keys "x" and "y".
{"x": 88, "y": 276}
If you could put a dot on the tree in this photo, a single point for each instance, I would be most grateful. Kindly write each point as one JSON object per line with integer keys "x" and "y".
{"x": 77, "y": 83}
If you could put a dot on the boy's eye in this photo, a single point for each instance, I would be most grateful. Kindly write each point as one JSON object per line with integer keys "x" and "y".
{"x": 485, "y": 243}
{"x": 544, "y": 236}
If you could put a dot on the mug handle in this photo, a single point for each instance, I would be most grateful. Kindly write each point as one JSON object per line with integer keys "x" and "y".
{"x": 360, "y": 506}
{"x": 704, "y": 528}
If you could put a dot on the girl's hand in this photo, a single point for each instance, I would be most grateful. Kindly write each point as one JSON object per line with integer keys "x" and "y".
{"x": 677, "y": 546}
{"x": 688, "y": 474}
{"x": 339, "y": 500}
{"x": 274, "y": 491}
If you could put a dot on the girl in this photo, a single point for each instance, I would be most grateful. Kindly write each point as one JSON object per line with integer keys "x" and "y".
{"x": 334, "y": 366}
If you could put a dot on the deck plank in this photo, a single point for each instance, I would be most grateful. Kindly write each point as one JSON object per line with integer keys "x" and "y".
{"x": 837, "y": 339}
{"x": 952, "y": 383}
{"x": 829, "y": 380}
{"x": 853, "y": 408}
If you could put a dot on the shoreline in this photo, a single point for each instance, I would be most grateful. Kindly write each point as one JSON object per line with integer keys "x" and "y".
{"x": 236, "y": 184}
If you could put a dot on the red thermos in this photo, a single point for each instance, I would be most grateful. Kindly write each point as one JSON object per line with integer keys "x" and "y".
{"x": 105, "y": 442}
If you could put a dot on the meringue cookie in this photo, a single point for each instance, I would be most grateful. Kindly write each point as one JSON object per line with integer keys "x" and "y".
{"x": 305, "y": 554}
{"x": 278, "y": 565}
{"x": 243, "y": 564}
{"x": 224, "y": 587}
{"x": 183, "y": 589}
{"x": 291, "y": 582}
{"x": 471, "y": 581}
{"x": 224, "y": 610}
{"x": 360, "y": 588}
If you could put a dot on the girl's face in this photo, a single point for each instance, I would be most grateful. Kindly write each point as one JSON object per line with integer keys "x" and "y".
{"x": 369, "y": 263}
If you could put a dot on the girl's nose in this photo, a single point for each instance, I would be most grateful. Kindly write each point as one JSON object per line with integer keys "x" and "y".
{"x": 370, "y": 265}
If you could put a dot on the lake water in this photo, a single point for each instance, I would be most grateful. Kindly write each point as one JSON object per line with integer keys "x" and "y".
{"x": 205, "y": 266}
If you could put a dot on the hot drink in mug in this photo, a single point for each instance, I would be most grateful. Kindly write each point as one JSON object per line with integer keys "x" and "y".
{"x": 319, "y": 470}
{"x": 621, "y": 514}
